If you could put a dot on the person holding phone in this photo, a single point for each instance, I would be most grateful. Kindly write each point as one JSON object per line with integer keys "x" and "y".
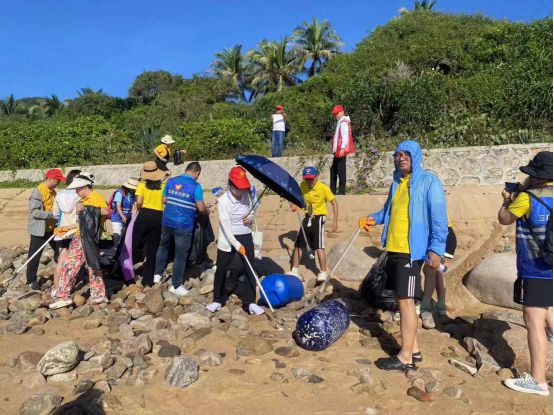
{"x": 529, "y": 205}
{"x": 415, "y": 231}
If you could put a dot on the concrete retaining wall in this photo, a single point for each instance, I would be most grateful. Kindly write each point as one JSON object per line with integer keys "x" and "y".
{"x": 455, "y": 166}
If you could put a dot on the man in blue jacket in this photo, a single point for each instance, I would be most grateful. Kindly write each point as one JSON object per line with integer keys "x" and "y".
{"x": 415, "y": 231}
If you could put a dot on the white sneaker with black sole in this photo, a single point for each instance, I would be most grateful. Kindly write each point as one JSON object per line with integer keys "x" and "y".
{"x": 157, "y": 278}
{"x": 180, "y": 291}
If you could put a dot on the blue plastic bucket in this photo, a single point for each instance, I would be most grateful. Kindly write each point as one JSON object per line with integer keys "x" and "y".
{"x": 282, "y": 289}
{"x": 321, "y": 326}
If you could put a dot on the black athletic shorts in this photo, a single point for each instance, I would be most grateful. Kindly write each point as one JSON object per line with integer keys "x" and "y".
{"x": 533, "y": 292}
{"x": 451, "y": 244}
{"x": 315, "y": 232}
{"x": 64, "y": 243}
{"x": 403, "y": 275}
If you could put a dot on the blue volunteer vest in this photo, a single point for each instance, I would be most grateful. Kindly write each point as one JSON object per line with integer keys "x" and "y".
{"x": 126, "y": 206}
{"x": 180, "y": 208}
{"x": 530, "y": 263}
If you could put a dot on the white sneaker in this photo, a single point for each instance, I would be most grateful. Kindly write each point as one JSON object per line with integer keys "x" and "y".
{"x": 61, "y": 303}
{"x": 100, "y": 300}
{"x": 213, "y": 307}
{"x": 255, "y": 309}
{"x": 526, "y": 384}
{"x": 181, "y": 291}
{"x": 322, "y": 276}
{"x": 157, "y": 278}
{"x": 293, "y": 272}
{"x": 53, "y": 292}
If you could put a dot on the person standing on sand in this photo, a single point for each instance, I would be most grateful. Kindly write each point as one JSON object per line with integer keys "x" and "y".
{"x": 342, "y": 146}
{"x": 416, "y": 228}
{"x": 531, "y": 207}
{"x": 42, "y": 222}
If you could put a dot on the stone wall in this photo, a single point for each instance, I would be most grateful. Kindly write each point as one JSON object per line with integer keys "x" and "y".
{"x": 492, "y": 165}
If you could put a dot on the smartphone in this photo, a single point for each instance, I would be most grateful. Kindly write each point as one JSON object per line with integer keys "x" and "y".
{"x": 511, "y": 186}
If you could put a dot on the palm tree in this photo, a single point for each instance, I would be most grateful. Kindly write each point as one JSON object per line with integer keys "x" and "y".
{"x": 316, "y": 43}
{"x": 230, "y": 65}
{"x": 424, "y": 5}
{"x": 274, "y": 66}
{"x": 52, "y": 105}
{"x": 89, "y": 91}
{"x": 9, "y": 106}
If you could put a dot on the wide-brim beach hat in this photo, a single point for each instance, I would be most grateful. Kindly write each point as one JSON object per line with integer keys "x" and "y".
{"x": 167, "y": 139}
{"x": 131, "y": 183}
{"x": 151, "y": 172}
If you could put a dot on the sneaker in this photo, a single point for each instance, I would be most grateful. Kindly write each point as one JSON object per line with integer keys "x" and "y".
{"x": 526, "y": 384}
{"x": 34, "y": 286}
{"x": 396, "y": 317}
{"x": 100, "y": 300}
{"x": 443, "y": 310}
{"x": 393, "y": 363}
{"x": 61, "y": 303}
{"x": 180, "y": 291}
{"x": 427, "y": 320}
{"x": 418, "y": 309}
{"x": 53, "y": 292}
{"x": 255, "y": 309}
{"x": 157, "y": 278}
{"x": 213, "y": 307}
{"x": 322, "y": 276}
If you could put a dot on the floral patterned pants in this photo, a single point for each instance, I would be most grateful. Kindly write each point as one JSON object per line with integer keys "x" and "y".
{"x": 70, "y": 269}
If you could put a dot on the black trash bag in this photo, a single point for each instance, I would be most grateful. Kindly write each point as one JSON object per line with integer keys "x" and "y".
{"x": 372, "y": 288}
{"x": 89, "y": 227}
{"x": 203, "y": 237}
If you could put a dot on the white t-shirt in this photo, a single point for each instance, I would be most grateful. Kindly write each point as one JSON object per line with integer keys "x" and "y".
{"x": 278, "y": 122}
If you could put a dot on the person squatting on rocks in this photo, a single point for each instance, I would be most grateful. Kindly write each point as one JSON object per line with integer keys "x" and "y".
{"x": 83, "y": 248}
{"x": 434, "y": 280}
{"x": 42, "y": 222}
{"x": 183, "y": 198}
{"x": 122, "y": 205}
{"x": 316, "y": 195}
{"x": 416, "y": 228}
{"x": 531, "y": 207}
{"x": 343, "y": 145}
{"x": 235, "y": 235}
{"x": 65, "y": 212}
{"x": 147, "y": 230}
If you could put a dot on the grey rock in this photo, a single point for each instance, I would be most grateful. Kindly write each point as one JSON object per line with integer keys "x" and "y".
{"x": 199, "y": 333}
{"x": 211, "y": 359}
{"x": 40, "y": 405}
{"x": 431, "y": 374}
{"x": 82, "y": 387}
{"x": 103, "y": 386}
{"x": 315, "y": 379}
{"x": 116, "y": 370}
{"x": 92, "y": 323}
{"x": 433, "y": 387}
{"x": 194, "y": 320}
{"x": 253, "y": 346}
{"x": 299, "y": 372}
{"x": 278, "y": 377}
{"x": 63, "y": 377}
{"x": 453, "y": 392}
{"x": 60, "y": 359}
{"x": 418, "y": 383}
{"x": 140, "y": 345}
{"x": 85, "y": 310}
{"x": 30, "y": 302}
{"x": 287, "y": 352}
{"x": 464, "y": 367}
{"x": 146, "y": 375}
{"x": 279, "y": 364}
{"x": 182, "y": 372}
{"x": 169, "y": 350}
{"x": 16, "y": 328}
{"x": 491, "y": 281}
{"x": 33, "y": 381}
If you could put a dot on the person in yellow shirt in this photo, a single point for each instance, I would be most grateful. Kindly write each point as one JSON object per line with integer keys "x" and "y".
{"x": 42, "y": 222}
{"x": 163, "y": 152}
{"x": 312, "y": 234}
{"x": 83, "y": 248}
{"x": 147, "y": 230}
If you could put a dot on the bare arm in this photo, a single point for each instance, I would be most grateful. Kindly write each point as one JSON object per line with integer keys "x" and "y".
{"x": 120, "y": 212}
{"x": 139, "y": 201}
{"x": 202, "y": 208}
{"x": 505, "y": 217}
{"x": 159, "y": 156}
{"x": 335, "y": 206}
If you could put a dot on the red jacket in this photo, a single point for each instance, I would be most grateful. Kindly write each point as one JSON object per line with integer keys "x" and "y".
{"x": 336, "y": 145}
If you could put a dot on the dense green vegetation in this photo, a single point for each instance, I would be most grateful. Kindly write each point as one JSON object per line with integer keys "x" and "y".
{"x": 446, "y": 80}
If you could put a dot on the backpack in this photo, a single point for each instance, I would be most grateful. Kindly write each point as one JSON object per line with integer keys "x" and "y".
{"x": 177, "y": 157}
{"x": 372, "y": 288}
{"x": 546, "y": 245}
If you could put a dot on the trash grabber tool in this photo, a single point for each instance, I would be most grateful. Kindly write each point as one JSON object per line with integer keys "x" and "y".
{"x": 310, "y": 252}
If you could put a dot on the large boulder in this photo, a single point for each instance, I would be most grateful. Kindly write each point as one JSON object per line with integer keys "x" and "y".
{"x": 354, "y": 266}
{"x": 40, "y": 405}
{"x": 59, "y": 359}
{"x": 492, "y": 280}
{"x": 182, "y": 372}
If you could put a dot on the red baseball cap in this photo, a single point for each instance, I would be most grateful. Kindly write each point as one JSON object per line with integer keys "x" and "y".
{"x": 337, "y": 109}
{"x": 55, "y": 174}
{"x": 237, "y": 175}
{"x": 279, "y": 107}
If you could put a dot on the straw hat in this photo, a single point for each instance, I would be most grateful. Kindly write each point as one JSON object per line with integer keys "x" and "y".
{"x": 131, "y": 183}
{"x": 167, "y": 139}
{"x": 151, "y": 172}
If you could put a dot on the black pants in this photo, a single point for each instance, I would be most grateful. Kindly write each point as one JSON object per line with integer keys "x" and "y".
{"x": 146, "y": 240}
{"x": 246, "y": 288}
{"x": 34, "y": 245}
{"x": 338, "y": 169}
{"x": 162, "y": 165}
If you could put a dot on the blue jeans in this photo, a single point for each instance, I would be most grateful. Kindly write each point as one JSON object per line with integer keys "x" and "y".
{"x": 277, "y": 143}
{"x": 182, "y": 239}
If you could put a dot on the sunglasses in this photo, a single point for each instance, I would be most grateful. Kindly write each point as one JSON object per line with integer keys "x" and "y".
{"x": 401, "y": 155}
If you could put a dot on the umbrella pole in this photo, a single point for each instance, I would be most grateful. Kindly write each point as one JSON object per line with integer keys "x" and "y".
{"x": 257, "y": 201}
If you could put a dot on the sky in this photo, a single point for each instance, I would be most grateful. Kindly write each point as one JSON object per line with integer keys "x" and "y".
{"x": 60, "y": 46}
